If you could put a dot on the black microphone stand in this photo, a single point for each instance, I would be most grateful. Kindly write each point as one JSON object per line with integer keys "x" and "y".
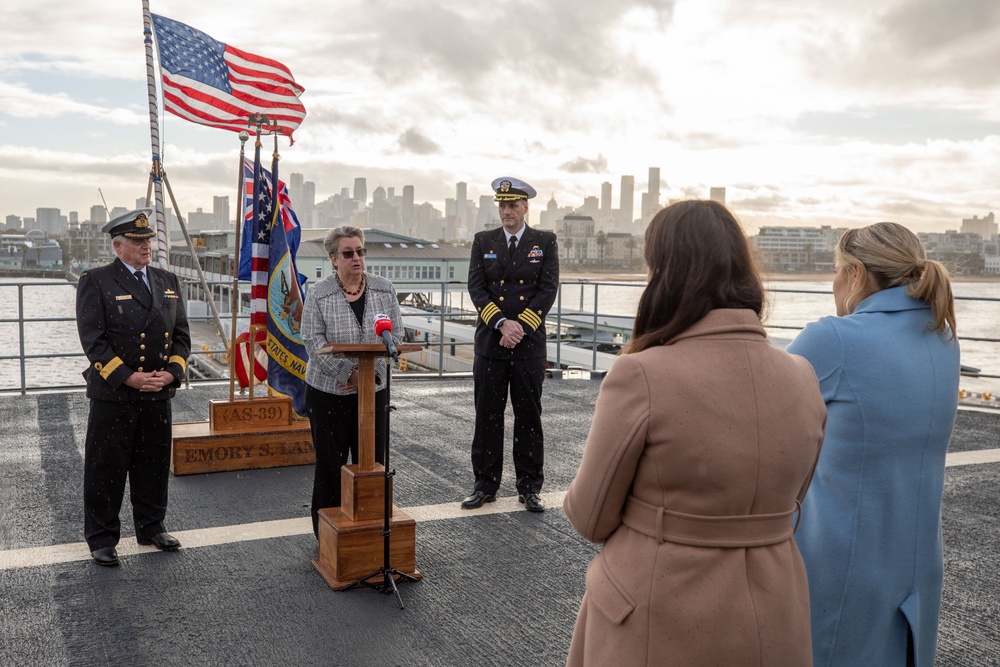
{"x": 388, "y": 583}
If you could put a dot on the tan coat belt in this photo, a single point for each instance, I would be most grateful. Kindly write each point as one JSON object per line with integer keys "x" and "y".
{"x": 751, "y": 530}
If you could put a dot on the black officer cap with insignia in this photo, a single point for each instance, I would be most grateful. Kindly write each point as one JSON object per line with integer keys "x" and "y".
{"x": 508, "y": 188}
{"x": 132, "y": 225}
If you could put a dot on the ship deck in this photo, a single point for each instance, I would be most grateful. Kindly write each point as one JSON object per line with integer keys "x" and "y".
{"x": 501, "y": 586}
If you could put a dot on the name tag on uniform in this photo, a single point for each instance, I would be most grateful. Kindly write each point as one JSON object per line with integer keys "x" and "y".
{"x": 490, "y": 255}
{"x": 123, "y": 297}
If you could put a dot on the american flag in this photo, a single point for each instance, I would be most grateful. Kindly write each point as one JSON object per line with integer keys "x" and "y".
{"x": 263, "y": 214}
{"x": 211, "y": 83}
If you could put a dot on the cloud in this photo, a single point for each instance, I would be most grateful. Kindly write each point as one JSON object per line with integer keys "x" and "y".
{"x": 413, "y": 141}
{"x": 22, "y": 102}
{"x": 582, "y": 165}
{"x": 484, "y": 49}
{"x": 899, "y": 124}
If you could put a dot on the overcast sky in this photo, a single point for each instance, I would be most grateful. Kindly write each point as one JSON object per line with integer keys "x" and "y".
{"x": 806, "y": 111}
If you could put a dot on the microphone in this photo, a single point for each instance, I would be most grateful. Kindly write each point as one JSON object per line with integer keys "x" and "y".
{"x": 383, "y": 328}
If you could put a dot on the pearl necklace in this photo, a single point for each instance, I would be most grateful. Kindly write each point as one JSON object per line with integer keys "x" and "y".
{"x": 347, "y": 291}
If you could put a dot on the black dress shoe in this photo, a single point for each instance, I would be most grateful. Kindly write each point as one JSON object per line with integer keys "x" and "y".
{"x": 162, "y": 541}
{"x": 106, "y": 556}
{"x": 477, "y": 499}
{"x": 531, "y": 502}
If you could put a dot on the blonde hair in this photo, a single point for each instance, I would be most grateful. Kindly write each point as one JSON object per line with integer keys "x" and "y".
{"x": 890, "y": 255}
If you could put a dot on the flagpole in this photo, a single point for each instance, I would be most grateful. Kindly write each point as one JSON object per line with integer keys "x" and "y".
{"x": 162, "y": 257}
{"x": 234, "y": 307}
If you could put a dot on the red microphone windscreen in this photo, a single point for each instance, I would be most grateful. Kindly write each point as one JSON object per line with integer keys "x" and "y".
{"x": 382, "y": 323}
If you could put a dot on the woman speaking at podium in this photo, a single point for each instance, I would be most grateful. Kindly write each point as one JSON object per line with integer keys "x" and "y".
{"x": 341, "y": 308}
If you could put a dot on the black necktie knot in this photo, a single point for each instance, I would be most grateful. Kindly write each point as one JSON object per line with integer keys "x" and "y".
{"x": 513, "y": 244}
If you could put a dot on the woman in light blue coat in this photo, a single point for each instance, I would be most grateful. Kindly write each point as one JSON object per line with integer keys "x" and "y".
{"x": 870, "y": 530}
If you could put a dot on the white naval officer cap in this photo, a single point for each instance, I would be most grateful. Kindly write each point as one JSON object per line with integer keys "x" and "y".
{"x": 508, "y": 188}
{"x": 133, "y": 225}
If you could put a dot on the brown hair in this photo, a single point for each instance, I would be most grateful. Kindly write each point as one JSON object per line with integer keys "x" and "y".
{"x": 699, "y": 259}
{"x": 889, "y": 255}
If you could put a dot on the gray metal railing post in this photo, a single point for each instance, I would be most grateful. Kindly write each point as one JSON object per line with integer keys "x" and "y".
{"x": 20, "y": 337}
{"x": 593, "y": 362}
{"x": 559, "y": 328}
{"x": 441, "y": 334}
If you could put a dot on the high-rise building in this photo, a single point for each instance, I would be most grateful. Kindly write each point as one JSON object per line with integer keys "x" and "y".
{"x": 985, "y": 226}
{"x": 653, "y": 188}
{"x": 47, "y": 220}
{"x": 296, "y": 191}
{"x": 461, "y": 198}
{"x": 98, "y": 214}
{"x": 220, "y": 211}
{"x": 361, "y": 190}
{"x": 406, "y": 208}
{"x": 606, "y": 205}
{"x": 487, "y": 217}
{"x": 304, "y": 208}
{"x": 627, "y": 202}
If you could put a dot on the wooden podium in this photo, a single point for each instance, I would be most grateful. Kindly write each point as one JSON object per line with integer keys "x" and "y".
{"x": 351, "y": 543}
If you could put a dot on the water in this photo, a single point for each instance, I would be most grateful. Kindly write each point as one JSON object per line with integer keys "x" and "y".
{"x": 793, "y": 303}
{"x": 56, "y": 299}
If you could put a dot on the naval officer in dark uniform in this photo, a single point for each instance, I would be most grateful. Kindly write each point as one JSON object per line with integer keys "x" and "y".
{"x": 134, "y": 331}
{"x": 513, "y": 280}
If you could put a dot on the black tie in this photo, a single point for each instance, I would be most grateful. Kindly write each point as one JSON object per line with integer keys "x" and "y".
{"x": 138, "y": 274}
{"x": 513, "y": 245}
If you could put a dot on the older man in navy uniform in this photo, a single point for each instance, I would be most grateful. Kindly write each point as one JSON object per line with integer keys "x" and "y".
{"x": 134, "y": 331}
{"x": 513, "y": 280}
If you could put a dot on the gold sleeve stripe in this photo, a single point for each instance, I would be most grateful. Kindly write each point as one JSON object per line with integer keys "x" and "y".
{"x": 109, "y": 367}
{"x": 490, "y": 310}
{"x": 177, "y": 359}
{"x": 529, "y": 318}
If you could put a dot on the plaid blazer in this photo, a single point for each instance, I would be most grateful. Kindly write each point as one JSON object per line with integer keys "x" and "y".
{"x": 327, "y": 317}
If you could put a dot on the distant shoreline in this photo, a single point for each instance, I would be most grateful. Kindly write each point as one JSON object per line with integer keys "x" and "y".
{"x": 598, "y": 277}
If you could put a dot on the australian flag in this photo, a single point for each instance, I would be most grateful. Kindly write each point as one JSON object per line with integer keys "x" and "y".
{"x": 275, "y": 291}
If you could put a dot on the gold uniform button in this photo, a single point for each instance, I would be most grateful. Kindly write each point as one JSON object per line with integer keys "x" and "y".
{"x": 142, "y": 358}
{"x": 522, "y": 282}
{"x": 166, "y": 335}
{"x": 501, "y": 298}
{"x": 142, "y": 335}
{"x": 165, "y": 346}
{"x": 142, "y": 347}
{"x": 140, "y": 369}
{"x": 501, "y": 282}
{"x": 522, "y": 298}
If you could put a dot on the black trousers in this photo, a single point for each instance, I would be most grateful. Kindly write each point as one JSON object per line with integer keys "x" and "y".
{"x": 333, "y": 420}
{"x": 493, "y": 379}
{"x": 125, "y": 439}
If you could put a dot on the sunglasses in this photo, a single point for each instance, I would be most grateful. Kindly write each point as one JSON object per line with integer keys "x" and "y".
{"x": 348, "y": 254}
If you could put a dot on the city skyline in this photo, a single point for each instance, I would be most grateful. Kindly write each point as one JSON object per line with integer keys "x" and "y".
{"x": 812, "y": 113}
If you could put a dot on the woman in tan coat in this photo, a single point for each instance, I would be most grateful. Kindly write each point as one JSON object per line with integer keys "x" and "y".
{"x": 702, "y": 446}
